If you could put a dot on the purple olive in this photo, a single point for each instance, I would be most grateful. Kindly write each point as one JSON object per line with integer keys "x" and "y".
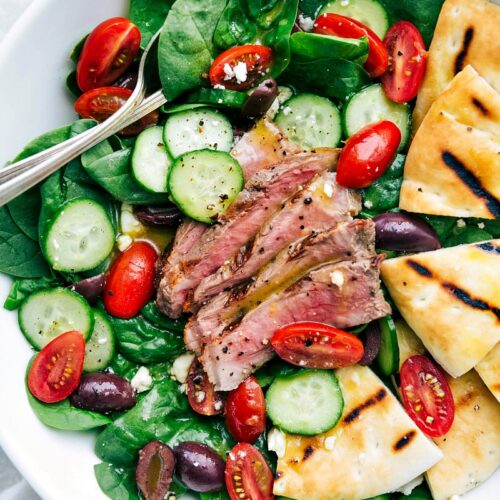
{"x": 371, "y": 341}
{"x": 199, "y": 467}
{"x": 261, "y": 99}
{"x": 90, "y": 288}
{"x": 155, "y": 470}
{"x": 103, "y": 392}
{"x": 405, "y": 233}
{"x": 164, "y": 216}
{"x": 129, "y": 79}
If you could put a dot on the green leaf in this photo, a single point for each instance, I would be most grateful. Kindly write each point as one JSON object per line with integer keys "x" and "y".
{"x": 216, "y": 495}
{"x": 149, "y": 16}
{"x": 310, "y": 8}
{"x": 21, "y": 288}
{"x": 154, "y": 316}
{"x": 118, "y": 483}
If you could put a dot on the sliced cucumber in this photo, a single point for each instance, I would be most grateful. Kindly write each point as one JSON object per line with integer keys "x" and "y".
{"x": 307, "y": 402}
{"x": 370, "y": 105}
{"x": 46, "y": 314}
{"x": 80, "y": 236}
{"x": 311, "y": 121}
{"x": 150, "y": 160}
{"x": 388, "y": 356}
{"x": 100, "y": 348}
{"x": 202, "y": 128}
{"x": 204, "y": 183}
{"x": 370, "y": 12}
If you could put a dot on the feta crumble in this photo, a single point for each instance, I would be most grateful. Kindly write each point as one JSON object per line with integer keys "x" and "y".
{"x": 123, "y": 241}
{"x": 480, "y": 225}
{"x": 239, "y": 71}
{"x": 368, "y": 204}
{"x": 142, "y": 380}
{"x": 129, "y": 224}
{"x": 306, "y": 23}
{"x": 461, "y": 223}
{"x": 219, "y": 86}
{"x": 276, "y": 442}
{"x": 180, "y": 367}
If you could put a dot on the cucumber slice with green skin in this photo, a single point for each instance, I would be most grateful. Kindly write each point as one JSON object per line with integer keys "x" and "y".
{"x": 46, "y": 314}
{"x": 80, "y": 236}
{"x": 369, "y": 12}
{"x": 100, "y": 347}
{"x": 150, "y": 160}
{"x": 318, "y": 391}
{"x": 218, "y": 98}
{"x": 388, "y": 356}
{"x": 311, "y": 121}
{"x": 204, "y": 183}
{"x": 202, "y": 128}
{"x": 370, "y": 105}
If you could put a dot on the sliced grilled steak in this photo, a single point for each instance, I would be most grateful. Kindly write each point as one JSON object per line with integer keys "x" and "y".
{"x": 353, "y": 240}
{"x": 342, "y": 295}
{"x": 318, "y": 207}
{"x": 264, "y": 193}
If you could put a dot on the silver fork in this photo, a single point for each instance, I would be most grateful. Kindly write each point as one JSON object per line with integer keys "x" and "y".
{"x": 18, "y": 177}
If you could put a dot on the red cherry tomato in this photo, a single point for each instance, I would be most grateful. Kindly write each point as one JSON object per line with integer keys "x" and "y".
{"x": 248, "y": 476}
{"x": 201, "y": 393}
{"x": 246, "y": 411}
{"x": 407, "y": 62}
{"x": 130, "y": 283}
{"x": 99, "y": 104}
{"x": 316, "y": 345}
{"x": 107, "y": 53}
{"x": 367, "y": 154}
{"x": 427, "y": 396}
{"x": 257, "y": 59}
{"x": 346, "y": 27}
{"x": 57, "y": 368}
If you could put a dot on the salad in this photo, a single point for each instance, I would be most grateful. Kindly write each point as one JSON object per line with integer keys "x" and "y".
{"x": 284, "y": 282}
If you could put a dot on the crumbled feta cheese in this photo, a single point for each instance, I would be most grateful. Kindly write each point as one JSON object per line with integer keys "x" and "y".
{"x": 240, "y": 72}
{"x": 123, "y": 241}
{"x": 276, "y": 442}
{"x": 337, "y": 278}
{"x": 480, "y": 225}
{"x": 180, "y": 367}
{"x": 228, "y": 71}
{"x": 368, "y": 204}
{"x": 183, "y": 388}
{"x": 200, "y": 396}
{"x": 129, "y": 224}
{"x": 218, "y": 405}
{"x": 306, "y": 23}
{"x": 219, "y": 86}
{"x": 408, "y": 487}
{"x": 330, "y": 442}
{"x": 142, "y": 380}
{"x": 328, "y": 189}
{"x": 460, "y": 223}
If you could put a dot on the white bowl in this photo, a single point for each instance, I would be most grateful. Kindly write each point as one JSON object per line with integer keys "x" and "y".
{"x": 33, "y": 66}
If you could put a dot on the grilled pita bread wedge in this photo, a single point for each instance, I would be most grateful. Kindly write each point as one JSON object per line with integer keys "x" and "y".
{"x": 466, "y": 33}
{"x": 453, "y": 164}
{"x": 472, "y": 446}
{"x": 489, "y": 371}
{"x": 375, "y": 448}
{"x": 451, "y": 299}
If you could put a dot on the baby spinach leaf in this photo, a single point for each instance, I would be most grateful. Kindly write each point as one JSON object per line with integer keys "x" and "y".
{"x": 154, "y": 316}
{"x": 44, "y": 142}
{"x": 118, "y": 483}
{"x": 149, "y": 16}
{"x": 21, "y": 288}
{"x": 216, "y": 495}
{"x": 123, "y": 367}
{"x": 466, "y": 234}
{"x": 310, "y": 8}
{"x": 185, "y": 48}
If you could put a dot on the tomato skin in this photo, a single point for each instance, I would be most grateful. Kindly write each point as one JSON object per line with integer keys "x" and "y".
{"x": 246, "y": 411}
{"x": 367, "y": 154}
{"x": 130, "y": 284}
{"x": 56, "y": 371}
{"x": 427, "y": 396}
{"x": 257, "y": 58}
{"x": 107, "y": 53}
{"x": 407, "y": 62}
{"x": 346, "y": 27}
{"x": 248, "y": 476}
{"x": 316, "y": 345}
{"x": 201, "y": 393}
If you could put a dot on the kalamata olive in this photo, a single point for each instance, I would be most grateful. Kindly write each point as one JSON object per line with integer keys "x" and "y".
{"x": 90, "y": 288}
{"x": 155, "y": 470}
{"x": 371, "y": 340}
{"x": 164, "y": 216}
{"x": 103, "y": 392}
{"x": 199, "y": 467}
{"x": 404, "y": 232}
{"x": 261, "y": 99}
{"x": 129, "y": 79}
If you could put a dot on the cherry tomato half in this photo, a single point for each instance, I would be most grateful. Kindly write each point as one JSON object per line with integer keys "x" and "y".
{"x": 367, "y": 154}
{"x": 99, "y": 104}
{"x": 427, "y": 396}
{"x": 57, "y": 368}
{"x": 201, "y": 393}
{"x": 107, "y": 53}
{"x": 316, "y": 345}
{"x": 130, "y": 283}
{"x": 407, "y": 62}
{"x": 246, "y": 411}
{"x": 248, "y": 476}
{"x": 346, "y": 27}
{"x": 257, "y": 60}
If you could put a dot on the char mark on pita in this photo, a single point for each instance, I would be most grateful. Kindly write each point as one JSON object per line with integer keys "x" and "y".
{"x": 404, "y": 440}
{"x": 308, "y": 452}
{"x": 419, "y": 268}
{"x": 459, "y": 61}
{"x": 474, "y": 184}
{"x": 466, "y": 298}
{"x": 489, "y": 247}
{"x": 356, "y": 412}
{"x": 481, "y": 106}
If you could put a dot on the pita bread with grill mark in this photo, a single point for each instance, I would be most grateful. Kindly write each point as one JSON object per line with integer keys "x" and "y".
{"x": 466, "y": 33}
{"x": 453, "y": 164}
{"x": 451, "y": 300}
{"x": 375, "y": 447}
{"x": 489, "y": 371}
{"x": 472, "y": 446}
